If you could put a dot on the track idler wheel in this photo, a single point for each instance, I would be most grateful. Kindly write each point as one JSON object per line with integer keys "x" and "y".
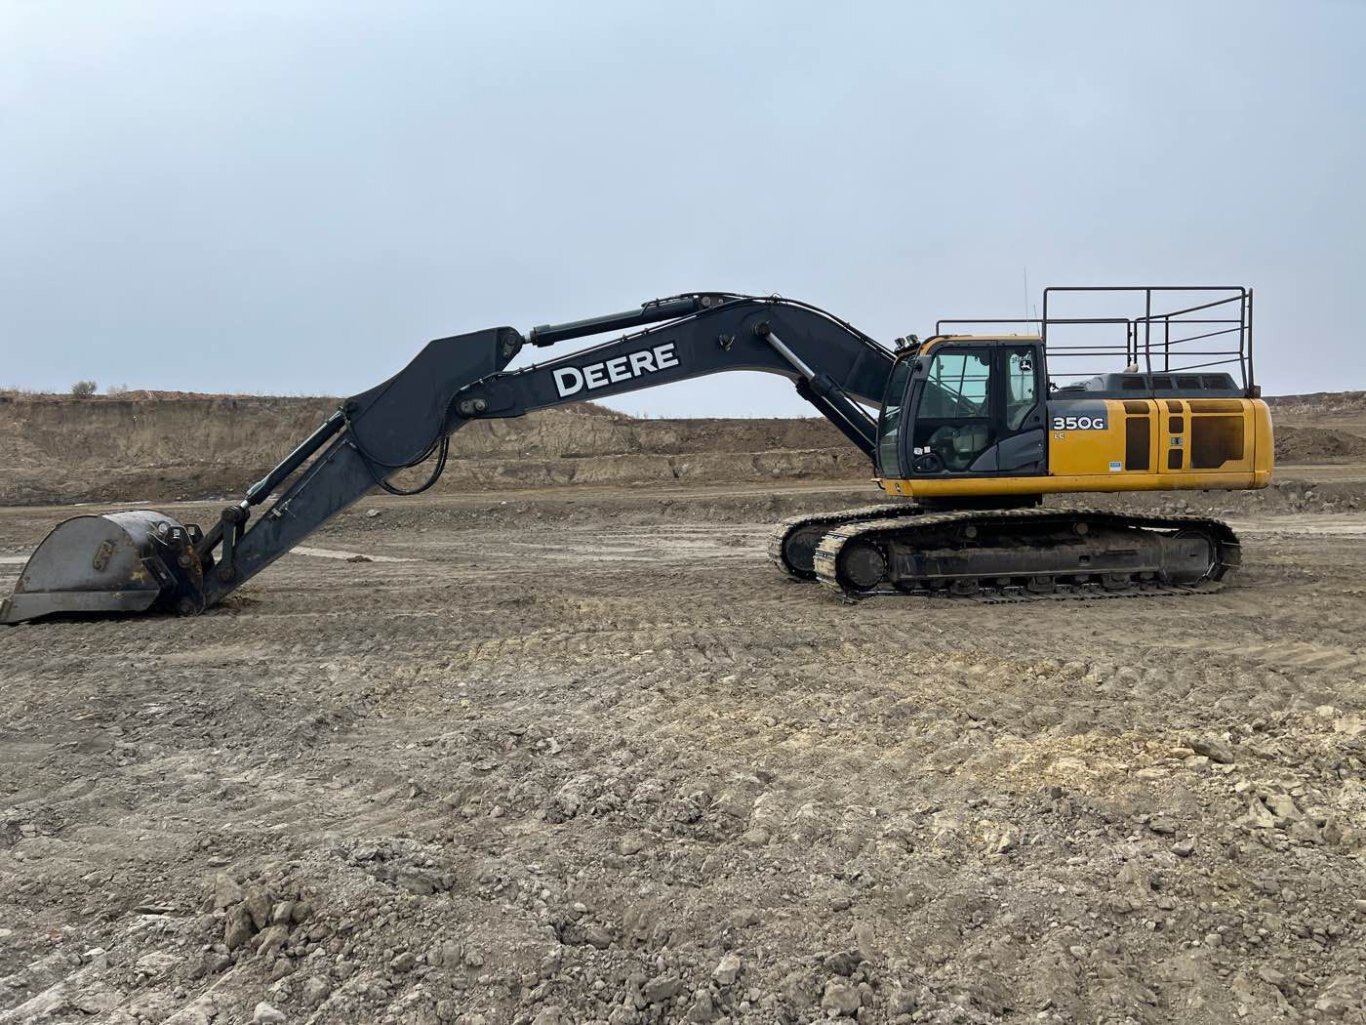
{"x": 799, "y": 550}
{"x": 863, "y": 565}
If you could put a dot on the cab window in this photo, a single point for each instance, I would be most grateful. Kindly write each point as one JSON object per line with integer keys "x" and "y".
{"x": 1022, "y": 386}
{"x": 889, "y": 424}
{"x": 953, "y": 419}
{"x": 958, "y": 386}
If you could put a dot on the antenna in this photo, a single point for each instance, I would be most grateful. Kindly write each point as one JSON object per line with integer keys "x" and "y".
{"x": 1028, "y": 317}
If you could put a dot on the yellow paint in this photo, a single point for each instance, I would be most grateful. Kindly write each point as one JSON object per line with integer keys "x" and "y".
{"x": 1051, "y": 484}
{"x": 1074, "y": 453}
{"x": 1079, "y": 461}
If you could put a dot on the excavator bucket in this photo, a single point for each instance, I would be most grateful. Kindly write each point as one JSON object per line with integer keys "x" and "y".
{"x": 120, "y": 562}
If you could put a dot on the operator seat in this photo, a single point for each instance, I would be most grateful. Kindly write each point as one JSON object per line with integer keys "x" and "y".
{"x": 959, "y": 445}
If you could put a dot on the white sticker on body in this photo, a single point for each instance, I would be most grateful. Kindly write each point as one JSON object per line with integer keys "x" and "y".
{"x": 571, "y": 380}
{"x": 1079, "y": 423}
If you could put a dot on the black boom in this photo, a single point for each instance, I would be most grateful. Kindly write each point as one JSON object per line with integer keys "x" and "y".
{"x": 454, "y": 380}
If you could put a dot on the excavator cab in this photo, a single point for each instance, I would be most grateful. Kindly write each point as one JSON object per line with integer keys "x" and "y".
{"x": 969, "y": 406}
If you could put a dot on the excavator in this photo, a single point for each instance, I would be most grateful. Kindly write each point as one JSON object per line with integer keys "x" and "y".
{"x": 967, "y": 431}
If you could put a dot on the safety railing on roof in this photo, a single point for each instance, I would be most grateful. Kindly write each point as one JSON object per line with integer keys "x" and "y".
{"x": 1089, "y": 330}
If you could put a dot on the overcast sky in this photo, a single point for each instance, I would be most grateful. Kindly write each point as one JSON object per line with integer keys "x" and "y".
{"x": 291, "y": 197}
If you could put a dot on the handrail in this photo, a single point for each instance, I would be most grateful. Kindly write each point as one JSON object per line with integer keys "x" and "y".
{"x": 1141, "y": 342}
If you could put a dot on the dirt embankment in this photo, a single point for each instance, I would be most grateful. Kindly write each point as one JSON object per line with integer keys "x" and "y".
{"x": 183, "y": 447}
{"x": 1325, "y": 427}
{"x": 1317, "y": 445}
{"x": 155, "y": 446}
{"x": 1318, "y": 403}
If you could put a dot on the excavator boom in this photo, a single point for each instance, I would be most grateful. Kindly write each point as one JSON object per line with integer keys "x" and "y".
{"x": 133, "y": 562}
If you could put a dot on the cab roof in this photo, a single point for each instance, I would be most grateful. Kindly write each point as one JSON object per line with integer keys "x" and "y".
{"x": 984, "y": 338}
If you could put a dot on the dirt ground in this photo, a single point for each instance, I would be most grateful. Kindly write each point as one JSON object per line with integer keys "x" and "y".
{"x": 581, "y": 755}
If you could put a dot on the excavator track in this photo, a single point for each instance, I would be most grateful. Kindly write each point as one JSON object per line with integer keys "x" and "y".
{"x": 1026, "y": 555}
{"x": 792, "y": 545}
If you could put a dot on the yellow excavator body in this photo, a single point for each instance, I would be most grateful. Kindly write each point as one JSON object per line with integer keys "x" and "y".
{"x": 1145, "y": 444}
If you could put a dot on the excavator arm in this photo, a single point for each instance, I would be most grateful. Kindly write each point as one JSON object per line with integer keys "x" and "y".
{"x": 137, "y": 561}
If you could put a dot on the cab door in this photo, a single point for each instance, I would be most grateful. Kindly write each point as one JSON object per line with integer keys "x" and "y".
{"x": 1022, "y": 445}
{"x": 977, "y": 409}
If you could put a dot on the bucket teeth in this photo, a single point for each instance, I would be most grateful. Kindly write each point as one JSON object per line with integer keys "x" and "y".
{"x": 118, "y": 563}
